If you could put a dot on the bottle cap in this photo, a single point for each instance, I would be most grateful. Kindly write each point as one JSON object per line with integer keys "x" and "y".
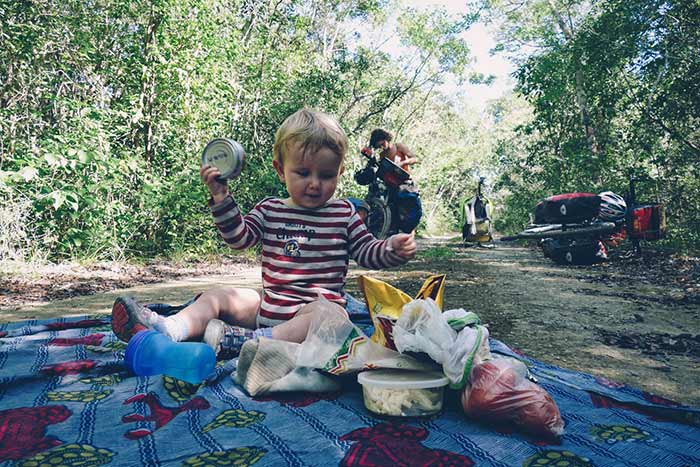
{"x": 132, "y": 349}
{"x": 226, "y": 155}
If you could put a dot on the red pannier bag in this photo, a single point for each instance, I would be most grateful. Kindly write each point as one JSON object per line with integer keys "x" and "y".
{"x": 648, "y": 222}
{"x": 567, "y": 207}
{"x": 498, "y": 391}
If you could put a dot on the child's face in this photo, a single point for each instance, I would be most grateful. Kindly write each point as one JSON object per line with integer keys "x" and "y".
{"x": 311, "y": 178}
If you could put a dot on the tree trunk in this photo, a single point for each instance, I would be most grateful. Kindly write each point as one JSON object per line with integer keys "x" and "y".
{"x": 148, "y": 87}
{"x": 581, "y": 98}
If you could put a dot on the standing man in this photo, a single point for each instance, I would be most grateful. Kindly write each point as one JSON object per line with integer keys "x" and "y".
{"x": 395, "y": 152}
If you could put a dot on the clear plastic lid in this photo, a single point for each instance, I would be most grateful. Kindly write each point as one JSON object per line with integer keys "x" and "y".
{"x": 402, "y": 379}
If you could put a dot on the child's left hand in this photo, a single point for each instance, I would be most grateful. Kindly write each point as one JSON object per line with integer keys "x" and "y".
{"x": 404, "y": 245}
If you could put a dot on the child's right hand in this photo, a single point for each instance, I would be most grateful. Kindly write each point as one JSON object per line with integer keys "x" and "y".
{"x": 211, "y": 176}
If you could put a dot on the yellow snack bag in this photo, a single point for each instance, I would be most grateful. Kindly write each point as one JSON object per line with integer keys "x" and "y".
{"x": 385, "y": 303}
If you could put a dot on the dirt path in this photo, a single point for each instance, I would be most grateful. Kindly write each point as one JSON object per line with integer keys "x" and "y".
{"x": 593, "y": 319}
{"x": 629, "y": 320}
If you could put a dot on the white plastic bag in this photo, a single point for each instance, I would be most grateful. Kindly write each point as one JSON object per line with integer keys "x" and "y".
{"x": 335, "y": 345}
{"x": 470, "y": 348}
{"x": 422, "y": 328}
{"x": 268, "y": 365}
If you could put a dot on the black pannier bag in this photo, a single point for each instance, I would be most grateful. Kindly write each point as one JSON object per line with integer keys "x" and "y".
{"x": 573, "y": 251}
{"x": 566, "y": 208}
{"x": 365, "y": 176}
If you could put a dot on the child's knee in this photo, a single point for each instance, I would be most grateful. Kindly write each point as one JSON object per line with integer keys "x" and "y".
{"x": 323, "y": 306}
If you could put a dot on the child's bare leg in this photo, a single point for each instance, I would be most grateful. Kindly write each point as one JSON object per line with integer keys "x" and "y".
{"x": 228, "y": 340}
{"x": 295, "y": 329}
{"x": 233, "y": 305}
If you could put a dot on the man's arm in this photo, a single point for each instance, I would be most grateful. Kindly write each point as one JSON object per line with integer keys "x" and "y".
{"x": 410, "y": 157}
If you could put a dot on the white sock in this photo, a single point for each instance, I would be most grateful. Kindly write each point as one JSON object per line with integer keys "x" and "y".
{"x": 173, "y": 327}
{"x": 151, "y": 318}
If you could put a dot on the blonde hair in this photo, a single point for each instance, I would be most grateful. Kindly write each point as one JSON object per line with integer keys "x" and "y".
{"x": 314, "y": 130}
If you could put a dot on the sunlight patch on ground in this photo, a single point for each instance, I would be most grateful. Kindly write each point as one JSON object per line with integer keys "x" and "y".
{"x": 630, "y": 359}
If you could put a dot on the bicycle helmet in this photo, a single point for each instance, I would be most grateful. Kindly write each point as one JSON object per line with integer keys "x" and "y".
{"x": 612, "y": 206}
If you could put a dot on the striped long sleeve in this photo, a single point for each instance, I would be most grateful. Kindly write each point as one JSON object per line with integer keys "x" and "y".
{"x": 305, "y": 252}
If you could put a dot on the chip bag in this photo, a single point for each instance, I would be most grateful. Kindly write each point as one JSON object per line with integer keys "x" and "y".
{"x": 386, "y": 302}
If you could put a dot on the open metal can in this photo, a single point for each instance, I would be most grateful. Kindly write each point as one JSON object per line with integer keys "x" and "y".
{"x": 226, "y": 155}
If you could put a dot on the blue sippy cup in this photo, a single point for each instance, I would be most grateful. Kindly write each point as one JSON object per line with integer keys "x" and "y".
{"x": 152, "y": 353}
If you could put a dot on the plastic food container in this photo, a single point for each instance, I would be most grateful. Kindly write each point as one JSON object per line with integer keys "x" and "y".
{"x": 226, "y": 155}
{"x": 402, "y": 393}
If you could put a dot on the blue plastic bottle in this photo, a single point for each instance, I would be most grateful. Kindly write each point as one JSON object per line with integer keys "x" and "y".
{"x": 152, "y": 353}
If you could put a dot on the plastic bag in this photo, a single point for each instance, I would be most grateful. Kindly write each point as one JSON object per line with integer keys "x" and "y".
{"x": 470, "y": 348}
{"x": 335, "y": 345}
{"x": 499, "y": 391}
{"x": 422, "y": 328}
{"x": 459, "y": 318}
{"x": 269, "y": 365}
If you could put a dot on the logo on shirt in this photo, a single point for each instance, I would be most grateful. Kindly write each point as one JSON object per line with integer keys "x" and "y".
{"x": 283, "y": 233}
{"x": 291, "y": 248}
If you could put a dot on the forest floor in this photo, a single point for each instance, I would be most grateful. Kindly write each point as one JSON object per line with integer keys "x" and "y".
{"x": 635, "y": 320}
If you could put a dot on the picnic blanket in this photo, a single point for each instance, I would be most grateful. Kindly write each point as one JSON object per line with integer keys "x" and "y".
{"x": 66, "y": 399}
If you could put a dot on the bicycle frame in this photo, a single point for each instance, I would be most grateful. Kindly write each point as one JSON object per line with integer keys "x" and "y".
{"x": 384, "y": 217}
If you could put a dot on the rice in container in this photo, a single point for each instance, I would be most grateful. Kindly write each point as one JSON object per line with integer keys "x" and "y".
{"x": 403, "y": 393}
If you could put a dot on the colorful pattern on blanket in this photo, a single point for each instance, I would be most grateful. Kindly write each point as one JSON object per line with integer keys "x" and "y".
{"x": 66, "y": 399}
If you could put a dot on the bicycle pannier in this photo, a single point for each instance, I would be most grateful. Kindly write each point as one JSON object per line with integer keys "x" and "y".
{"x": 391, "y": 173}
{"x": 574, "y": 251}
{"x": 648, "y": 222}
{"x": 476, "y": 225}
{"x": 567, "y": 207}
{"x": 364, "y": 176}
{"x": 409, "y": 208}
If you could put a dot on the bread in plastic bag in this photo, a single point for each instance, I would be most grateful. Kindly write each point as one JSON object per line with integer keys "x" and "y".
{"x": 335, "y": 345}
{"x": 499, "y": 391}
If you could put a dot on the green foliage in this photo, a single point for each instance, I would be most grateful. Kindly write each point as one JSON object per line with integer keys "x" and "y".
{"x": 438, "y": 252}
{"x": 615, "y": 93}
{"x": 105, "y": 107}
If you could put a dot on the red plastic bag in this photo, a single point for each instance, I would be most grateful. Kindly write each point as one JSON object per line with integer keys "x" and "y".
{"x": 498, "y": 391}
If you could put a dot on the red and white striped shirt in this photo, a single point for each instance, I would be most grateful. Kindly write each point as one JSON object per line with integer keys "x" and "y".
{"x": 304, "y": 251}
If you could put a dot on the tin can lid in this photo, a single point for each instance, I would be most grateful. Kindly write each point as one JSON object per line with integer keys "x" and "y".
{"x": 402, "y": 379}
{"x": 226, "y": 155}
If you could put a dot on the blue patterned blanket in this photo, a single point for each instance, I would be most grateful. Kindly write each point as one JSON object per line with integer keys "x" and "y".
{"x": 66, "y": 399}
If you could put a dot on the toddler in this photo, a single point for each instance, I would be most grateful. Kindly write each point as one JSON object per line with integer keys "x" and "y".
{"x": 307, "y": 240}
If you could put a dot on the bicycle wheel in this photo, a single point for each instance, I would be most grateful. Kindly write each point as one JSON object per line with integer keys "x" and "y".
{"x": 558, "y": 231}
{"x": 379, "y": 218}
